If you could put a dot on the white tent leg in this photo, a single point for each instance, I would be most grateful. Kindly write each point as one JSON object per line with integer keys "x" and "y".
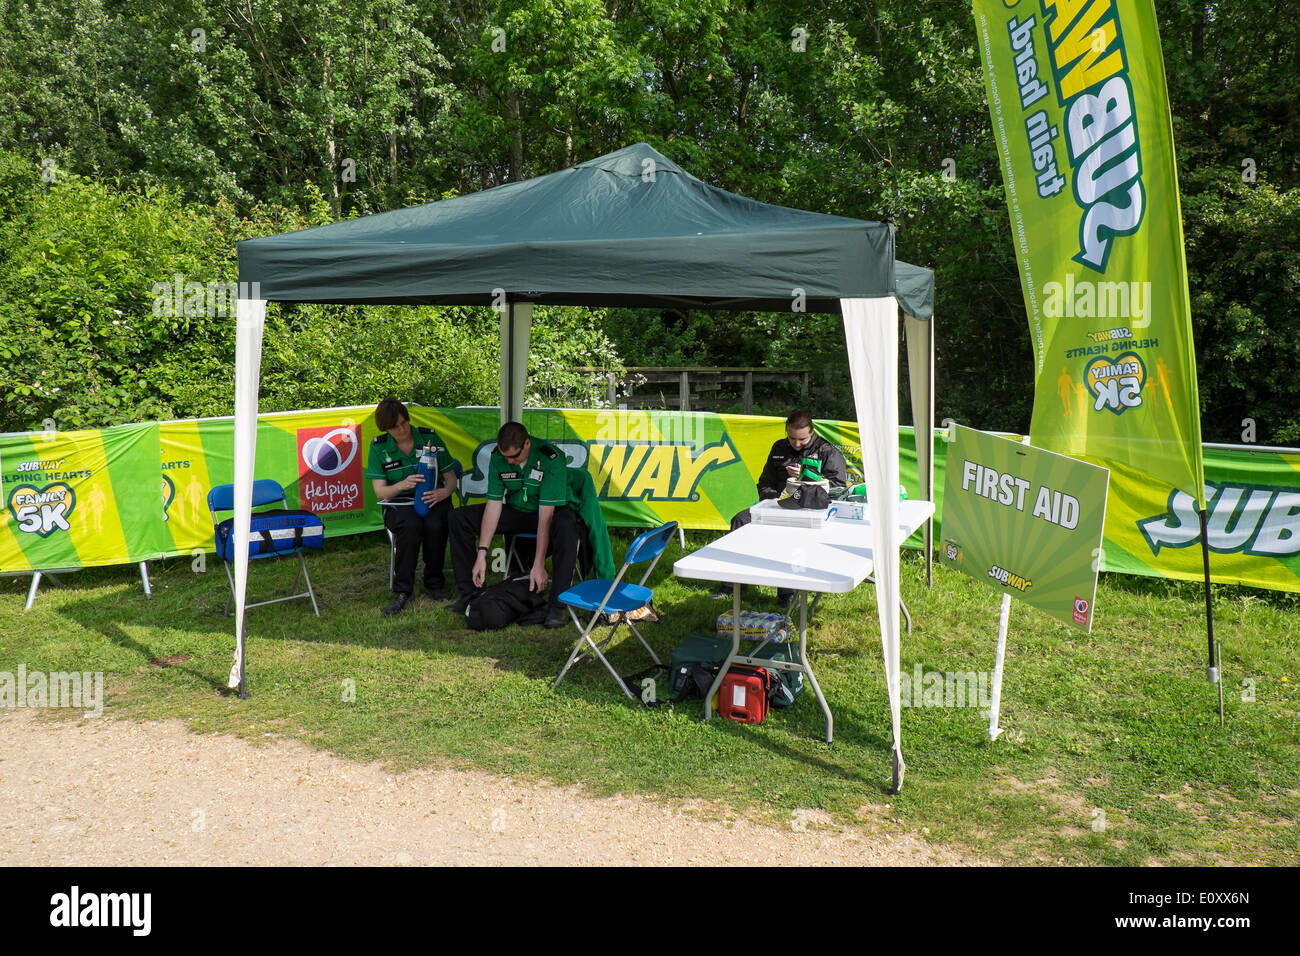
{"x": 31, "y": 592}
{"x": 250, "y": 321}
{"x": 144, "y": 579}
{"x": 871, "y": 333}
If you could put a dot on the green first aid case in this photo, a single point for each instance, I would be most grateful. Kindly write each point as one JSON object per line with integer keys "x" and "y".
{"x": 706, "y": 649}
{"x": 709, "y": 650}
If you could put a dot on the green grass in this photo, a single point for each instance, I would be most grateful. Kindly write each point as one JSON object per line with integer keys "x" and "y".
{"x": 1121, "y": 721}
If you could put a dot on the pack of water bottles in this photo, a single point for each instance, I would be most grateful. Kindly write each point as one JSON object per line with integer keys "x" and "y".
{"x": 853, "y": 505}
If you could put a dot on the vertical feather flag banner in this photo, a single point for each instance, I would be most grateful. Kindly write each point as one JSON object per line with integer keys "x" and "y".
{"x": 1076, "y": 91}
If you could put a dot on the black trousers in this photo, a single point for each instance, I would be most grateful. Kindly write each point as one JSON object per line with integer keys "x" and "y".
{"x": 742, "y": 519}
{"x": 413, "y": 533}
{"x": 566, "y": 532}
{"x": 739, "y": 521}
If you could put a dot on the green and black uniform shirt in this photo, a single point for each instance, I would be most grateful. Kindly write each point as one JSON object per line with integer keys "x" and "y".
{"x": 817, "y": 460}
{"x": 541, "y": 480}
{"x": 388, "y": 463}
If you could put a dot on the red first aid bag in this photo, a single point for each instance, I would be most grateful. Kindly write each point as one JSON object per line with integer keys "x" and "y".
{"x": 744, "y": 694}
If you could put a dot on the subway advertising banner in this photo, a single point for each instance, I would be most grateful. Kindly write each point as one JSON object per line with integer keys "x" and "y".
{"x": 1253, "y": 515}
{"x": 1025, "y": 522}
{"x": 648, "y": 467}
{"x": 1253, "y": 522}
{"x": 77, "y": 499}
{"x": 315, "y": 455}
{"x": 1076, "y": 91}
{"x": 139, "y": 492}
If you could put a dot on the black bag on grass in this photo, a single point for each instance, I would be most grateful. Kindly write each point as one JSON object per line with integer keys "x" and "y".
{"x": 694, "y": 664}
{"x": 690, "y": 670}
{"x": 505, "y": 603}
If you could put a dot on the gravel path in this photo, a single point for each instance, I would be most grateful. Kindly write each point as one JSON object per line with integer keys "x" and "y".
{"x": 114, "y": 792}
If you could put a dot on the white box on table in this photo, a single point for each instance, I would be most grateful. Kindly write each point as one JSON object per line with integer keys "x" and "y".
{"x": 769, "y": 512}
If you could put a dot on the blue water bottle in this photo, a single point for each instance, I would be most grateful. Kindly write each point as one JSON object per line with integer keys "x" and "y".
{"x": 426, "y": 471}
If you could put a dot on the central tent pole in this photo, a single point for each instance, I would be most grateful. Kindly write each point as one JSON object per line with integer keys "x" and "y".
{"x": 516, "y": 329}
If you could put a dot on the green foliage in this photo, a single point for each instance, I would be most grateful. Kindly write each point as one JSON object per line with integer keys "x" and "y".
{"x": 321, "y": 356}
{"x": 90, "y": 334}
{"x": 79, "y": 265}
{"x": 1234, "y": 87}
{"x": 653, "y": 337}
{"x": 874, "y": 111}
{"x": 563, "y": 339}
{"x": 1244, "y": 242}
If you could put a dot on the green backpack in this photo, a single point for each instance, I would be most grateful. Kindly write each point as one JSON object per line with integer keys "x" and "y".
{"x": 695, "y": 662}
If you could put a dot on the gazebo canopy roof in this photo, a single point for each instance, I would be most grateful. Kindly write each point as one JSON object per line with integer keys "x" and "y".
{"x": 630, "y": 228}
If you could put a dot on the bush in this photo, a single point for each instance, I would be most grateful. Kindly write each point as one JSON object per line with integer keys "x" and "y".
{"x": 320, "y": 356}
{"x": 79, "y": 333}
{"x": 84, "y": 342}
{"x": 563, "y": 339}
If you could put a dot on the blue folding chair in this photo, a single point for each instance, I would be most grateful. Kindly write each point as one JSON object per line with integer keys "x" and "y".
{"x": 265, "y": 492}
{"x": 607, "y": 597}
{"x": 461, "y": 498}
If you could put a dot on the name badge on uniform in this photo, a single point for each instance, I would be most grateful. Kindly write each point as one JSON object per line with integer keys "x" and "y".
{"x": 509, "y": 476}
{"x": 535, "y": 475}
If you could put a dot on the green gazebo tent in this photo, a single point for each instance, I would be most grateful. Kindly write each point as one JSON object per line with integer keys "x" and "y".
{"x": 627, "y": 229}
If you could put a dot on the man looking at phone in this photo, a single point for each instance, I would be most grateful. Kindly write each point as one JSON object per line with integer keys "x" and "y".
{"x": 802, "y": 455}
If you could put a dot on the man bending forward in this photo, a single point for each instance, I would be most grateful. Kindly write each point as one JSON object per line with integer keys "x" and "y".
{"x": 527, "y": 493}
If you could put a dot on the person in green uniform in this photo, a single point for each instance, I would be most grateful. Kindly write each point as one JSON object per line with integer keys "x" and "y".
{"x": 801, "y": 455}
{"x": 392, "y": 467}
{"x": 527, "y": 493}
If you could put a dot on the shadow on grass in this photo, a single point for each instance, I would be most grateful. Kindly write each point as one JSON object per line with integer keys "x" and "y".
{"x": 591, "y": 683}
{"x": 351, "y": 585}
{"x": 110, "y": 622}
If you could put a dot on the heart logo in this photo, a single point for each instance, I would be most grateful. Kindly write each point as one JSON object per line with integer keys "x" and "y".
{"x": 1116, "y": 383}
{"x": 331, "y": 453}
{"x": 42, "y": 511}
{"x": 168, "y": 494}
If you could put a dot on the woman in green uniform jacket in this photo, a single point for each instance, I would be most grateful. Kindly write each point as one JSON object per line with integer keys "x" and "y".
{"x": 392, "y": 467}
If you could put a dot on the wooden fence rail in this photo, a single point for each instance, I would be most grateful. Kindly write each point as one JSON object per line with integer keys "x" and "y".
{"x": 692, "y": 384}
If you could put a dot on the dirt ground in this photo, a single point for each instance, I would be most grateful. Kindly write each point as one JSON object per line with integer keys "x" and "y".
{"x": 112, "y": 792}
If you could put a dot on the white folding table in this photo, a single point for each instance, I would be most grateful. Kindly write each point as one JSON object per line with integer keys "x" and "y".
{"x": 834, "y": 557}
